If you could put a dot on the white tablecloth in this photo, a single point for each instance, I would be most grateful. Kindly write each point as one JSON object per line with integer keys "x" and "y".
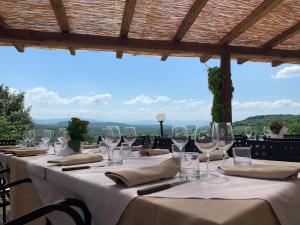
{"x": 107, "y": 201}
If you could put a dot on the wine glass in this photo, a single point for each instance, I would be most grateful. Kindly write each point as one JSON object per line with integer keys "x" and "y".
{"x": 112, "y": 136}
{"x": 267, "y": 131}
{"x": 206, "y": 140}
{"x": 29, "y": 136}
{"x": 61, "y": 134}
{"x": 46, "y": 136}
{"x": 226, "y": 138}
{"x": 248, "y": 132}
{"x": 180, "y": 136}
{"x": 129, "y": 135}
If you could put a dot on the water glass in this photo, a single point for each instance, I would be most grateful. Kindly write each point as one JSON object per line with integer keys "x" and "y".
{"x": 126, "y": 150}
{"x": 58, "y": 147}
{"x": 241, "y": 156}
{"x": 175, "y": 151}
{"x": 115, "y": 156}
{"x": 189, "y": 166}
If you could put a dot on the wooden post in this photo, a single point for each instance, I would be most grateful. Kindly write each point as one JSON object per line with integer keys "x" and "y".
{"x": 226, "y": 89}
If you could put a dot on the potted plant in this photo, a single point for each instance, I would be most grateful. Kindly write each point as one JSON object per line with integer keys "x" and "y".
{"x": 77, "y": 133}
{"x": 277, "y": 128}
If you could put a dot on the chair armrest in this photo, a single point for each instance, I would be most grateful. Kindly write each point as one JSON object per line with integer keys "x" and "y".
{"x": 15, "y": 183}
{"x": 4, "y": 171}
{"x": 37, "y": 213}
{"x": 79, "y": 204}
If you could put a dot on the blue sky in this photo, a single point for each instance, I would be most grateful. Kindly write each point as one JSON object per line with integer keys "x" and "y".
{"x": 96, "y": 85}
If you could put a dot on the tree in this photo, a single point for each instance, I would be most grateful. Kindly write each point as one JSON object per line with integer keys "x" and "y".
{"x": 14, "y": 116}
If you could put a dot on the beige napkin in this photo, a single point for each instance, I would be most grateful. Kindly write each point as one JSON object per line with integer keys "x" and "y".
{"x": 5, "y": 147}
{"x": 155, "y": 151}
{"x": 28, "y": 152}
{"x": 273, "y": 172}
{"x": 77, "y": 159}
{"x": 90, "y": 146}
{"x": 23, "y": 151}
{"x": 136, "y": 148}
{"x": 166, "y": 169}
{"x": 213, "y": 157}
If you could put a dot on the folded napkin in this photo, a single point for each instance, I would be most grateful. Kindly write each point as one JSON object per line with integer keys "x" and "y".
{"x": 4, "y": 147}
{"x": 272, "y": 172}
{"x": 136, "y": 148}
{"x": 90, "y": 146}
{"x": 23, "y": 151}
{"x": 77, "y": 159}
{"x": 213, "y": 157}
{"x": 155, "y": 151}
{"x": 166, "y": 169}
{"x": 28, "y": 152}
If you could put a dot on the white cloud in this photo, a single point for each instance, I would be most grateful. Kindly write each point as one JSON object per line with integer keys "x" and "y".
{"x": 42, "y": 95}
{"x": 287, "y": 72}
{"x": 142, "y": 99}
{"x": 179, "y": 101}
{"x": 194, "y": 104}
{"x": 278, "y": 104}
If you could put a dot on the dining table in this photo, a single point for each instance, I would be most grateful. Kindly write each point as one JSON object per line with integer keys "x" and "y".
{"x": 218, "y": 201}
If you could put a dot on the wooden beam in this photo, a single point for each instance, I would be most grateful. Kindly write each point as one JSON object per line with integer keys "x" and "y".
{"x": 276, "y": 63}
{"x": 119, "y": 54}
{"x": 126, "y": 22}
{"x": 19, "y": 47}
{"x": 155, "y": 47}
{"x": 226, "y": 87}
{"x": 241, "y": 61}
{"x": 127, "y": 17}
{"x": 263, "y": 9}
{"x": 60, "y": 13}
{"x": 188, "y": 21}
{"x": 283, "y": 36}
{"x": 61, "y": 17}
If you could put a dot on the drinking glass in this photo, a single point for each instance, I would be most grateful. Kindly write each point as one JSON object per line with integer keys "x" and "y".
{"x": 267, "y": 131}
{"x": 248, "y": 132}
{"x": 180, "y": 136}
{"x": 226, "y": 138}
{"x": 61, "y": 134}
{"x": 206, "y": 140}
{"x": 115, "y": 156}
{"x": 241, "y": 156}
{"x": 129, "y": 135}
{"x": 29, "y": 136}
{"x": 46, "y": 136}
{"x": 112, "y": 136}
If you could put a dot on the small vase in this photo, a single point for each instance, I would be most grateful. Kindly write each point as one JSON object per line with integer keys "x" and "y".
{"x": 69, "y": 151}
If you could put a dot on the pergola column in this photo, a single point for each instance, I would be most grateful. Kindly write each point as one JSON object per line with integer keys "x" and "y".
{"x": 226, "y": 88}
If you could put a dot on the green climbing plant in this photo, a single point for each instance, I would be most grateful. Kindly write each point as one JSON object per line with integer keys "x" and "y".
{"x": 215, "y": 82}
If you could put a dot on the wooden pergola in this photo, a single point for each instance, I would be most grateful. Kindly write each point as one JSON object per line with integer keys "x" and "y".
{"x": 246, "y": 30}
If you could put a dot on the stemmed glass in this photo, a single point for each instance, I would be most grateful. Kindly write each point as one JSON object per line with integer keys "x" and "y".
{"x": 226, "y": 138}
{"x": 248, "y": 132}
{"x": 180, "y": 136}
{"x": 61, "y": 134}
{"x": 112, "y": 136}
{"x": 46, "y": 137}
{"x": 206, "y": 140}
{"x": 129, "y": 136}
{"x": 267, "y": 131}
{"x": 29, "y": 136}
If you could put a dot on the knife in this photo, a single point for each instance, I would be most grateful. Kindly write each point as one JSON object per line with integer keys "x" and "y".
{"x": 161, "y": 187}
{"x": 79, "y": 168}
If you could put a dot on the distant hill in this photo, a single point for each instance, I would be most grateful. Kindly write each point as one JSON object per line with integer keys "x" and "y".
{"x": 258, "y": 122}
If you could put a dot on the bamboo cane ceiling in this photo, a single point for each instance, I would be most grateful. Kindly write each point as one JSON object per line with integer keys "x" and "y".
{"x": 168, "y": 22}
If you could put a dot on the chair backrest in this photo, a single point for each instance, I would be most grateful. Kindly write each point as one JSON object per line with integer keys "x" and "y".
{"x": 275, "y": 150}
{"x": 7, "y": 142}
{"x": 164, "y": 143}
{"x": 291, "y": 136}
